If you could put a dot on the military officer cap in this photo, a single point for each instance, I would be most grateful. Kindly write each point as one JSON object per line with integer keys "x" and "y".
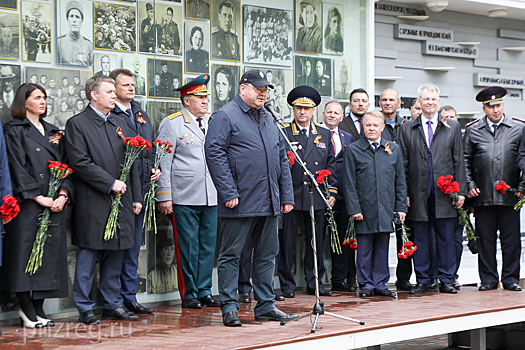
{"x": 492, "y": 95}
{"x": 195, "y": 87}
{"x": 304, "y": 96}
{"x": 149, "y": 6}
{"x": 256, "y": 77}
{"x": 74, "y": 5}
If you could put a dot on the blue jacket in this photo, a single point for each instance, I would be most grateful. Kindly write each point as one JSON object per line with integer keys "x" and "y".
{"x": 5, "y": 179}
{"x": 247, "y": 161}
{"x": 346, "y": 140}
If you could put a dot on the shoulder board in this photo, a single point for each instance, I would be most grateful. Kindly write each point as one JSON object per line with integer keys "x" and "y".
{"x": 208, "y": 112}
{"x": 322, "y": 126}
{"x": 233, "y": 32}
{"x": 286, "y": 125}
{"x": 62, "y": 36}
{"x": 214, "y": 30}
{"x": 518, "y": 119}
{"x": 472, "y": 122}
{"x": 174, "y": 115}
{"x": 86, "y": 39}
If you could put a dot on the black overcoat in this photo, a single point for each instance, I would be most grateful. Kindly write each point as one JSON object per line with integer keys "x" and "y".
{"x": 96, "y": 153}
{"x": 29, "y": 152}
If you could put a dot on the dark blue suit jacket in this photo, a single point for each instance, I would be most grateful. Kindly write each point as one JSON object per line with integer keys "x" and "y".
{"x": 346, "y": 140}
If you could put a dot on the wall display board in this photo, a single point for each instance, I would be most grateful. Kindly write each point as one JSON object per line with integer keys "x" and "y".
{"x": 10, "y": 80}
{"x": 115, "y": 27}
{"x": 333, "y": 40}
{"x": 198, "y": 9}
{"x": 197, "y": 40}
{"x": 75, "y": 40}
{"x": 225, "y": 80}
{"x": 104, "y": 63}
{"x": 225, "y": 30}
{"x": 138, "y": 65}
{"x": 9, "y": 36}
{"x": 163, "y": 77}
{"x": 160, "y": 28}
{"x": 36, "y": 29}
{"x": 308, "y": 26}
{"x": 315, "y": 72}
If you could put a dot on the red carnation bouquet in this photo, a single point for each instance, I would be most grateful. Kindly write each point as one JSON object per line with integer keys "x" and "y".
{"x": 134, "y": 145}
{"x": 331, "y": 228}
{"x": 350, "y": 240}
{"x": 446, "y": 185}
{"x": 150, "y": 218}
{"x": 291, "y": 157}
{"x": 10, "y": 208}
{"x": 408, "y": 246}
{"x": 503, "y": 188}
{"x": 59, "y": 172}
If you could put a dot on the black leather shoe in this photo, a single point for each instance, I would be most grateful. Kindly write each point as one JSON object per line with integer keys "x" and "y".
{"x": 208, "y": 300}
{"x": 342, "y": 287}
{"x": 433, "y": 283}
{"x": 403, "y": 285}
{"x": 276, "y": 315}
{"x": 118, "y": 314}
{"x": 231, "y": 319}
{"x": 365, "y": 293}
{"x": 514, "y": 287}
{"x": 288, "y": 293}
{"x": 386, "y": 293}
{"x": 447, "y": 288}
{"x": 88, "y": 317}
{"x": 322, "y": 292}
{"x": 279, "y": 297}
{"x": 245, "y": 298}
{"x": 455, "y": 283}
{"x": 419, "y": 288}
{"x": 136, "y": 308}
{"x": 192, "y": 303}
{"x": 487, "y": 286}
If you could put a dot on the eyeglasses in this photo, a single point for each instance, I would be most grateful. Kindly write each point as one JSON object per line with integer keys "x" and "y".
{"x": 259, "y": 90}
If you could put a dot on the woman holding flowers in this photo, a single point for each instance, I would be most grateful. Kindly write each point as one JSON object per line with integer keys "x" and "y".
{"x": 31, "y": 143}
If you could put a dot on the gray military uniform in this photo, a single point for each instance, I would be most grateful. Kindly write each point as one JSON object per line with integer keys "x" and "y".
{"x": 75, "y": 50}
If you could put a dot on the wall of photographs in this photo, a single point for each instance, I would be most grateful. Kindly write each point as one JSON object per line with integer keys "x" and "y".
{"x": 61, "y": 43}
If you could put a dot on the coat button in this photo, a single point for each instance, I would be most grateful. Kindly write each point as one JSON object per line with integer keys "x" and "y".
{"x": 207, "y": 175}
{"x": 305, "y": 173}
{"x": 38, "y": 149}
{"x": 304, "y": 163}
{"x": 305, "y": 183}
{"x": 316, "y": 163}
{"x": 41, "y": 176}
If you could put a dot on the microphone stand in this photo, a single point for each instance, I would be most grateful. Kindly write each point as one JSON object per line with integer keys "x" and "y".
{"x": 318, "y": 308}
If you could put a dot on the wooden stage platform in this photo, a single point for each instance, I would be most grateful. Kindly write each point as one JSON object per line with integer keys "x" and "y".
{"x": 387, "y": 320}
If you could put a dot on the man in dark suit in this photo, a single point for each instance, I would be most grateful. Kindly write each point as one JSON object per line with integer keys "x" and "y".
{"x": 343, "y": 265}
{"x": 314, "y": 145}
{"x": 432, "y": 148}
{"x": 359, "y": 105}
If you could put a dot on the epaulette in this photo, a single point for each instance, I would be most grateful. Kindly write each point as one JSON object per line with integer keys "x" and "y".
{"x": 174, "y": 115}
{"x": 86, "y": 39}
{"x": 472, "y": 122}
{"x": 214, "y": 30}
{"x": 286, "y": 125}
{"x": 322, "y": 126}
{"x": 62, "y": 36}
{"x": 518, "y": 119}
{"x": 208, "y": 112}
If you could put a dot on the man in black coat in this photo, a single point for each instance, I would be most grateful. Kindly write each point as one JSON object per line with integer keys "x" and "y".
{"x": 491, "y": 145}
{"x": 359, "y": 105}
{"x": 432, "y": 148}
{"x": 313, "y": 144}
{"x": 96, "y": 150}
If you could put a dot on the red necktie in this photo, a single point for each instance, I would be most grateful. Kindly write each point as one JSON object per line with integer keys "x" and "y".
{"x": 333, "y": 142}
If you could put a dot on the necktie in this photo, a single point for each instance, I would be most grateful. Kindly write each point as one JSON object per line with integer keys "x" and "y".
{"x": 302, "y": 137}
{"x": 130, "y": 113}
{"x": 360, "y": 123}
{"x": 333, "y": 142}
{"x": 494, "y": 128}
{"x": 430, "y": 134}
{"x": 8, "y": 100}
{"x": 201, "y": 126}
{"x": 375, "y": 144}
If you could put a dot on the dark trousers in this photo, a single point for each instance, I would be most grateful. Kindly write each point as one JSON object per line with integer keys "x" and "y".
{"x": 404, "y": 266}
{"x": 372, "y": 261}
{"x": 245, "y": 267}
{"x": 130, "y": 263}
{"x": 343, "y": 265}
{"x": 458, "y": 244}
{"x": 234, "y": 232}
{"x": 290, "y": 225}
{"x": 110, "y": 267}
{"x": 488, "y": 221}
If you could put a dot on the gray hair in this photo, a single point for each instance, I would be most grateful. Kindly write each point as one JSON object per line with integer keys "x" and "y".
{"x": 377, "y": 114}
{"x": 93, "y": 83}
{"x": 428, "y": 87}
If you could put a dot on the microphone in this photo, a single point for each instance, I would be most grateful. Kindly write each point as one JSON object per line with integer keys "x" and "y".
{"x": 277, "y": 119}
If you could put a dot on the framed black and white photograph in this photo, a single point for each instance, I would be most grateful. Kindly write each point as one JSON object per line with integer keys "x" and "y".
{"x": 138, "y": 65}
{"x": 64, "y": 89}
{"x": 163, "y": 77}
{"x": 315, "y": 72}
{"x": 282, "y": 80}
{"x": 199, "y": 9}
{"x": 160, "y": 28}
{"x": 226, "y": 29}
{"x": 36, "y": 28}
{"x": 9, "y": 4}
{"x": 197, "y": 37}
{"x": 75, "y": 37}
{"x": 342, "y": 81}
{"x": 308, "y": 26}
{"x": 104, "y": 63}
{"x": 268, "y": 36}
{"x": 114, "y": 27}
{"x": 158, "y": 110}
{"x": 333, "y": 29}
{"x": 9, "y": 36}
{"x": 162, "y": 265}
{"x": 225, "y": 80}
{"x": 10, "y": 81}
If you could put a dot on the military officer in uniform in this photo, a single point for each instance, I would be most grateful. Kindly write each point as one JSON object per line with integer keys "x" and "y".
{"x": 73, "y": 48}
{"x": 313, "y": 143}
{"x": 324, "y": 83}
{"x": 140, "y": 82}
{"x": 198, "y": 9}
{"x": 187, "y": 193}
{"x": 225, "y": 43}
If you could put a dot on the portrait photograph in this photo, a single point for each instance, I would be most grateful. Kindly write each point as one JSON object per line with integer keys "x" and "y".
{"x": 160, "y": 28}
{"x": 225, "y": 80}
{"x": 104, "y": 63}
{"x": 9, "y": 4}
{"x": 162, "y": 265}
{"x": 333, "y": 29}
{"x": 268, "y": 36}
{"x": 342, "y": 78}
{"x": 225, "y": 30}
{"x": 197, "y": 43}
{"x": 199, "y": 9}
{"x": 9, "y": 36}
{"x": 138, "y": 65}
{"x": 65, "y": 92}
{"x": 75, "y": 36}
{"x": 10, "y": 81}
{"x": 36, "y": 29}
{"x": 308, "y": 26}
{"x": 158, "y": 110}
{"x": 315, "y": 72}
{"x": 114, "y": 27}
{"x": 163, "y": 77}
